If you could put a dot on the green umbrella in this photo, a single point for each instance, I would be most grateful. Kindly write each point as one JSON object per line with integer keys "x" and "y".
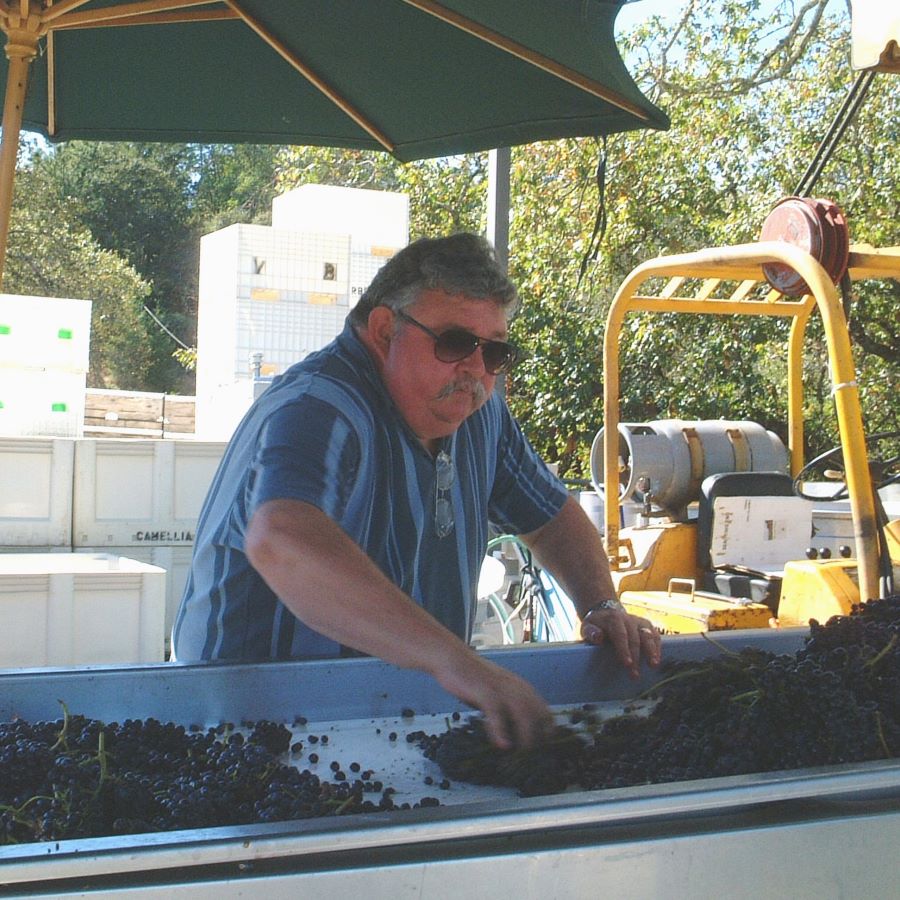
{"x": 415, "y": 78}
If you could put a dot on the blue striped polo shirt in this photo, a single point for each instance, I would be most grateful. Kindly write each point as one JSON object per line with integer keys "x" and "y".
{"x": 327, "y": 432}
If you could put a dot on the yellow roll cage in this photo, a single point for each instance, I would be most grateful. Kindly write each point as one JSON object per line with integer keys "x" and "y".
{"x": 715, "y": 269}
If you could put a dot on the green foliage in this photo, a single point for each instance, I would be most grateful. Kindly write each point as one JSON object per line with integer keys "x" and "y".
{"x": 749, "y": 103}
{"x": 235, "y": 183}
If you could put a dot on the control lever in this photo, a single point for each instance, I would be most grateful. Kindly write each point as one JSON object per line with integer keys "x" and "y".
{"x": 643, "y": 485}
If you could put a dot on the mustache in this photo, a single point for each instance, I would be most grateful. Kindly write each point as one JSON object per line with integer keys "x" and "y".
{"x": 469, "y": 385}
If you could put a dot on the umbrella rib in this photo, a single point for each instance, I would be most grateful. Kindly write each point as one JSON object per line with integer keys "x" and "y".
{"x": 118, "y": 11}
{"x": 86, "y": 20}
{"x": 311, "y": 76}
{"x": 508, "y": 45}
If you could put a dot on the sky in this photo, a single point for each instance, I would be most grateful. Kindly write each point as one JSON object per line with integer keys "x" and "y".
{"x": 638, "y": 10}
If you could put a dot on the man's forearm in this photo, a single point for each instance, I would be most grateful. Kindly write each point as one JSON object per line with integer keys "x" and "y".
{"x": 329, "y": 583}
{"x": 571, "y": 548}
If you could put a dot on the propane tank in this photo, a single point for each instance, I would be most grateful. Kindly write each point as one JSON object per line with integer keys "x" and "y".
{"x": 666, "y": 461}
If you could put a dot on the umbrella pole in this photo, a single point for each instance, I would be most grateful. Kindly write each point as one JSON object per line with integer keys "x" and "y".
{"x": 20, "y": 51}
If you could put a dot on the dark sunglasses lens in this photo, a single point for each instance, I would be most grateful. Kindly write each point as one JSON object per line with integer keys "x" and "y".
{"x": 455, "y": 345}
{"x": 498, "y": 356}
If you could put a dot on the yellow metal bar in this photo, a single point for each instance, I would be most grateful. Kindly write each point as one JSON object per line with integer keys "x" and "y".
{"x": 744, "y": 289}
{"x": 673, "y": 286}
{"x": 713, "y": 306}
{"x": 709, "y": 285}
{"x": 868, "y": 262}
{"x": 501, "y": 42}
{"x": 845, "y": 391}
{"x": 795, "y": 390}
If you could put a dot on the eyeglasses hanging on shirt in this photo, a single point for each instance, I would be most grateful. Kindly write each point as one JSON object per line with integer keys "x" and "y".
{"x": 443, "y": 506}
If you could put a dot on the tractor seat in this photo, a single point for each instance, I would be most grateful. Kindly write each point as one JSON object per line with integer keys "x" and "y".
{"x": 749, "y": 524}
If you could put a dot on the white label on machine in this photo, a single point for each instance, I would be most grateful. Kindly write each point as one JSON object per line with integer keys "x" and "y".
{"x": 760, "y": 533}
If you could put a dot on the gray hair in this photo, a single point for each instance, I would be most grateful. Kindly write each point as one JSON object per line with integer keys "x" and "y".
{"x": 459, "y": 264}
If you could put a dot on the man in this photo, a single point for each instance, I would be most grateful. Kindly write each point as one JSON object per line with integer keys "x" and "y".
{"x": 351, "y": 508}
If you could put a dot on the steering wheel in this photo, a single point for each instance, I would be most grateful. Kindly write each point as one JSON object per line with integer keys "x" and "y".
{"x": 830, "y": 465}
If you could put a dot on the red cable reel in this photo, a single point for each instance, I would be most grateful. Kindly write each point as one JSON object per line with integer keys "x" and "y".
{"x": 815, "y": 225}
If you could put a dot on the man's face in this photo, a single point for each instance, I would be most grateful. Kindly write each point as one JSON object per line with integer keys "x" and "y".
{"x": 435, "y": 397}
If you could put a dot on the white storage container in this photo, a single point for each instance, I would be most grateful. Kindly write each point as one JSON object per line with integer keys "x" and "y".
{"x": 267, "y": 291}
{"x": 592, "y": 503}
{"x": 365, "y": 261}
{"x": 220, "y": 411}
{"x": 36, "y": 483}
{"x": 376, "y": 221}
{"x": 41, "y": 402}
{"x": 140, "y": 493}
{"x": 63, "y": 609}
{"x": 44, "y": 332}
{"x": 175, "y": 560}
{"x": 379, "y": 218}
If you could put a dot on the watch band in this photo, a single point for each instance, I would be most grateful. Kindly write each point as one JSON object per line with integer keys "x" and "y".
{"x": 604, "y": 604}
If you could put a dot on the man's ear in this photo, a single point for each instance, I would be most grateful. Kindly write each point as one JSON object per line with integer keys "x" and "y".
{"x": 380, "y": 329}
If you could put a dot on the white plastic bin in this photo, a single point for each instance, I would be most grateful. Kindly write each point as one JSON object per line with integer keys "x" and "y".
{"x": 62, "y": 609}
{"x": 268, "y": 291}
{"x": 378, "y": 218}
{"x": 592, "y": 503}
{"x": 41, "y": 402}
{"x": 140, "y": 493}
{"x": 36, "y": 492}
{"x": 44, "y": 332}
{"x": 175, "y": 560}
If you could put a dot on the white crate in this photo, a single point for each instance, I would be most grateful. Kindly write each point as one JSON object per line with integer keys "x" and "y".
{"x": 379, "y": 218}
{"x": 41, "y": 403}
{"x": 280, "y": 294}
{"x": 36, "y": 483}
{"x": 220, "y": 411}
{"x": 365, "y": 261}
{"x": 62, "y": 609}
{"x": 283, "y": 333}
{"x": 177, "y": 564}
{"x": 140, "y": 493}
{"x": 44, "y": 332}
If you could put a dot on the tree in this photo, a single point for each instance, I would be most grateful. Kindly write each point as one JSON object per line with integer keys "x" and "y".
{"x": 134, "y": 199}
{"x": 235, "y": 183}
{"x": 749, "y": 88}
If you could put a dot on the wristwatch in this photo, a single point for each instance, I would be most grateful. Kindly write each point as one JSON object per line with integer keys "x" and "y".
{"x": 604, "y": 604}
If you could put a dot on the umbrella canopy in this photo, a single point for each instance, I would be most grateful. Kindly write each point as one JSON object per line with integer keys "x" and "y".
{"x": 415, "y": 78}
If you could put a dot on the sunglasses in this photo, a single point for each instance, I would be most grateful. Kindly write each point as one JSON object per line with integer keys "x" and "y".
{"x": 443, "y": 507}
{"x": 457, "y": 343}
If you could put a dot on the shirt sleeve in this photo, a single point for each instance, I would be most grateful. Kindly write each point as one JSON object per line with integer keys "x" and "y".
{"x": 307, "y": 451}
{"x": 526, "y": 494}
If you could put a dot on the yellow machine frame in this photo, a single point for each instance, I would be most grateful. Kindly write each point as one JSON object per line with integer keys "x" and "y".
{"x": 715, "y": 269}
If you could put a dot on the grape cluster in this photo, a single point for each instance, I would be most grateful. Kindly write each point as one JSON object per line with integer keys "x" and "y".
{"x": 837, "y": 700}
{"x": 78, "y": 777}
{"x": 466, "y": 754}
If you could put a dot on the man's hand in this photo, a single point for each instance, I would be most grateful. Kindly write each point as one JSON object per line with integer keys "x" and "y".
{"x": 632, "y": 637}
{"x": 514, "y": 714}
